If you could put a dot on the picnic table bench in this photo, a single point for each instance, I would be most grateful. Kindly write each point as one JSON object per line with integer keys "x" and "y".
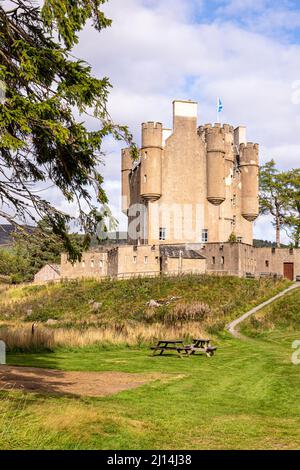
{"x": 170, "y": 345}
{"x": 202, "y": 345}
{"x": 198, "y": 345}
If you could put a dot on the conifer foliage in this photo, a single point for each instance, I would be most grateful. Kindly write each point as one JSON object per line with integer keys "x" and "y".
{"x": 41, "y": 140}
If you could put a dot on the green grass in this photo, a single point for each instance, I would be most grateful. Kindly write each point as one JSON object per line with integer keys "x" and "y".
{"x": 281, "y": 317}
{"x": 73, "y": 301}
{"x": 245, "y": 397}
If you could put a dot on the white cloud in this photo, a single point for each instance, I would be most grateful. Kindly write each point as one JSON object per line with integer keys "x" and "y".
{"x": 154, "y": 53}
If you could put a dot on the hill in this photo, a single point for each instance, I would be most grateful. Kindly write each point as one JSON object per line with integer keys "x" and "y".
{"x": 281, "y": 317}
{"x": 266, "y": 244}
{"x": 137, "y": 309}
{"x": 6, "y": 232}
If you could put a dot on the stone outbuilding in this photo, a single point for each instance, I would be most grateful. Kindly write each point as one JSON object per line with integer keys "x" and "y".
{"x": 49, "y": 272}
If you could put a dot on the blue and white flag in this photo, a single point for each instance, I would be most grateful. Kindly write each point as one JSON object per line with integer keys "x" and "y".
{"x": 219, "y": 105}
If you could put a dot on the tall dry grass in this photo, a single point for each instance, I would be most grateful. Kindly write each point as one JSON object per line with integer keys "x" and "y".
{"x": 22, "y": 338}
{"x": 26, "y": 338}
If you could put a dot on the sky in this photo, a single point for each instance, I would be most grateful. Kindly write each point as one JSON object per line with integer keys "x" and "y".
{"x": 245, "y": 51}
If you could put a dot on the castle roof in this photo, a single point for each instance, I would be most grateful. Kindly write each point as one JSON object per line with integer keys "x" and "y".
{"x": 177, "y": 251}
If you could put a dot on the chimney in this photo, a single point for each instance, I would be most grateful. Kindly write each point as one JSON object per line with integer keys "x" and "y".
{"x": 185, "y": 115}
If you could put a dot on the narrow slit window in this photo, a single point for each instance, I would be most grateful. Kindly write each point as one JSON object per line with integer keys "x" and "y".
{"x": 162, "y": 233}
{"x": 204, "y": 236}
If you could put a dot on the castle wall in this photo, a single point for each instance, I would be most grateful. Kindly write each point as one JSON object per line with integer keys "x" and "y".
{"x": 92, "y": 265}
{"x": 271, "y": 260}
{"x": 230, "y": 258}
{"x": 127, "y": 261}
{"x": 137, "y": 227}
{"x": 183, "y": 265}
{"x": 236, "y": 259}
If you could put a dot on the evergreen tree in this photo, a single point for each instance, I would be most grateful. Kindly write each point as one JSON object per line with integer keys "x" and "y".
{"x": 40, "y": 138}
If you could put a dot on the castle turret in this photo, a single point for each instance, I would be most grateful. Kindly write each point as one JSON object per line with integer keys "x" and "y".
{"x": 215, "y": 140}
{"x": 151, "y": 161}
{"x": 249, "y": 180}
{"x": 126, "y": 168}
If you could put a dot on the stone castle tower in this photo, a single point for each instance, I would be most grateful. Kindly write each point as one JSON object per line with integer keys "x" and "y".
{"x": 191, "y": 184}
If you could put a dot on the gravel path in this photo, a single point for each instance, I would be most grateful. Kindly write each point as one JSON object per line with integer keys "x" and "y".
{"x": 232, "y": 325}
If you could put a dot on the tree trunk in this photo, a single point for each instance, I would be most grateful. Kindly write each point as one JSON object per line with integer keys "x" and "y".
{"x": 278, "y": 234}
{"x": 278, "y": 226}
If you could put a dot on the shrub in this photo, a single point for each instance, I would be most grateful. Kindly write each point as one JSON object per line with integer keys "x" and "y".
{"x": 183, "y": 312}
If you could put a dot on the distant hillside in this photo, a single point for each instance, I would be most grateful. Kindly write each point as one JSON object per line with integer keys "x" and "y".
{"x": 266, "y": 243}
{"x": 6, "y": 232}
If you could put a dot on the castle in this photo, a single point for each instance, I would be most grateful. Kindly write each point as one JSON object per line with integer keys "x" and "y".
{"x": 191, "y": 200}
{"x": 197, "y": 185}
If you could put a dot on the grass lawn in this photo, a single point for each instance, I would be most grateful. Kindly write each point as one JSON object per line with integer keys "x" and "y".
{"x": 245, "y": 397}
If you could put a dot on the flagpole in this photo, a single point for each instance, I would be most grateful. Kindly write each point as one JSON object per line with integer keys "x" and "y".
{"x": 218, "y": 114}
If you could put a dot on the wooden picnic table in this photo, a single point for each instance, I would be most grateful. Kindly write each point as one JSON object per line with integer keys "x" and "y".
{"x": 199, "y": 345}
{"x": 202, "y": 345}
{"x": 170, "y": 345}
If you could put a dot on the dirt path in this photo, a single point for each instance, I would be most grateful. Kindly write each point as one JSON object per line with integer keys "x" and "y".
{"x": 232, "y": 325}
{"x": 58, "y": 382}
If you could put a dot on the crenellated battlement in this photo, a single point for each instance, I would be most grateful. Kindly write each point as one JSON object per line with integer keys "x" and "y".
{"x": 249, "y": 154}
{"x": 250, "y": 145}
{"x": 227, "y": 128}
{"x": 152, "y": 125}
{"x": 152, "y": 134}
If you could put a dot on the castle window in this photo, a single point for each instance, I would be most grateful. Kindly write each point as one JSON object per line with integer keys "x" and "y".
{"x": 204, "y": 235}
{"x": 291, "y": 251}
{"x": 92, "y": 263}
{"x": 239, "y": 239}
{"x": 213, "y": 260}
{"x": 145, "y": 155}
{"x": 145, "y": 178}
{"x": 146, "y": 260}
{"x": 134, "y": 259}
{"x": 162, "y": 233}
{"x": 267, "y": 263}
{"x": 101, "y": 264}
{"x": 222, "y": 260}
{"x": 157, "y": 259}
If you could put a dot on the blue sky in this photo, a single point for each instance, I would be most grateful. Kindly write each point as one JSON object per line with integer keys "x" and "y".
{"x": 277, "y": 18}
{"x": 245, "y": 51}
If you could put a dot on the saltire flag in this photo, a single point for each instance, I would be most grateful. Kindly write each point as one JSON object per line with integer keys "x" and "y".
{"x": 219, "y": 105}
